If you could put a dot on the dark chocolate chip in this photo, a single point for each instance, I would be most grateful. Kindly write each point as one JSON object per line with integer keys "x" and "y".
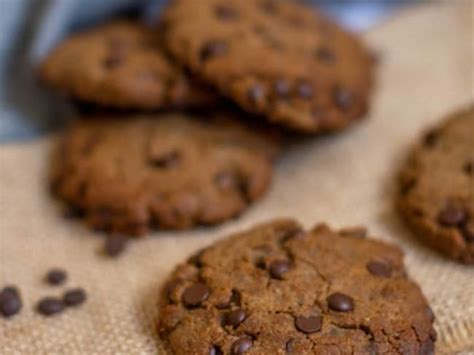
{"x": 379, "y": 268}
{"x": 468, "y": 168}
{"x": 305, "y": 90}
{"x": 431, "y": 138}
{"x": 234, "y": 300}
{"x": 196, "y": 258}
{"x": 241, "y": 346}
{"x": 74, "y": 297}
{"x": 49, "y": 306}
{"x": 256, "y": 94}
{"x": 452, "y": 215}
{"x": 468, "y": 231}
{"x": 56, "y": 277}
{"x": 309, "y": 324}
{"x": 340, "y": 302}
{"x": 115, "y": 245}
{"x": 343, "y": 98}
{"x": 225, "y": 12}
{"x": 166, "y": 161}
{"x": 282, "y": 88}
{"x": 325, "y": 55}
{"x": 215, "y": 350}
{"x": 10, "y": 301}
{"x": 195, "y": 294}
{"x": 279, "y": 268}
{"x": 433, "y": 335}
{"x": 213, "y": 49}
{"x": 235, "y": 317}
{"x": 290, "y": 345}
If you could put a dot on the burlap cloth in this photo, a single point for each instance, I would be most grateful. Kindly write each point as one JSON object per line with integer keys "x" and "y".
{"x": 426, "y": 71}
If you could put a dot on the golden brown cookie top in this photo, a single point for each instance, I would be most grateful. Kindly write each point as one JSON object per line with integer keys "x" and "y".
{"x": 278, "y": 289}
{"x": 276, "y": 58}
{"x": 120, "y": 65}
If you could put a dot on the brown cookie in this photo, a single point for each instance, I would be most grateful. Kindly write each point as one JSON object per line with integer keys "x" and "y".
{"x": 277, "y": 289}
{"x": 436, "y": 195}
{"x": 275, "y": 58}
{"x": 166, "y": 171}
{"x": 121, "y": 65}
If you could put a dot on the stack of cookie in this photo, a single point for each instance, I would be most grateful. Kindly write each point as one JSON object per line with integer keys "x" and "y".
{"x": 140, "y": 159}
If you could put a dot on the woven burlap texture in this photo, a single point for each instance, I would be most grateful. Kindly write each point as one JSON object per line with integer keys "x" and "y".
{"x": 348, "y": 179}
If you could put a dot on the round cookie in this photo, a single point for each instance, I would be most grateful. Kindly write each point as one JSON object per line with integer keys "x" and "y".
{"x": 120, "y": 65}
{"x": 165, "y": 171}
{"x": 276, "y": 58}
{"x": 436, "y": 195}
{"x": 277, "y": 289}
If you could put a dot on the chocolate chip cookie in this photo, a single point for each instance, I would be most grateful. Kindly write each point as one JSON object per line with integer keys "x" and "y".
{"x": 275, "y": 58}
{"x": 121, "y": 65}
{"x": 166, "y": 171}
{"x": 278, "y": 289}
{"x": 436, "y": 195}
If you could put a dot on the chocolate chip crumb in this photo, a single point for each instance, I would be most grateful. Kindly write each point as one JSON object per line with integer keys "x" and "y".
{"x": 115, "y": 245}
{"x": 56, "y": 277}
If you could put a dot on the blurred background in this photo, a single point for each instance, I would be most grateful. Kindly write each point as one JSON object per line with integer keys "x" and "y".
{"x": 30, "y": 28}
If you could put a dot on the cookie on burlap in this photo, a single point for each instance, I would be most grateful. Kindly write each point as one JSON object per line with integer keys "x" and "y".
{"x": 166, "y": 171}
{"x": 121, "y": 65}
{"x": 436, "y": 195}
{"x": 279, "y": 59}
{"x": 277, "y": 289}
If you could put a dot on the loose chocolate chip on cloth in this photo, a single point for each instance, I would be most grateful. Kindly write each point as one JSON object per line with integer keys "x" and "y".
{"x": 166, "y": 171}
{"x": 325, "y": 302}
{"x": 276, "y": 58}
{"x": 348, "y": 181}
{"x": 436, "y": 194}
{"x": 121, "y": 65}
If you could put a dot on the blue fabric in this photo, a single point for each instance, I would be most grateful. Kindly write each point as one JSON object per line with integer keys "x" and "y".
{"x": 30, "y": 28}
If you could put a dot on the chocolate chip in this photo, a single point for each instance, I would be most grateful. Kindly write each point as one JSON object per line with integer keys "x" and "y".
{"x": 226, "y": 180}
{"x": 430, "y": 313}
{"x": 166, "y": 161}
{"x": 340, "y": 302}
{"x": 281, "y": 88}
{"x": 452, "y": 215}
{"x": 278, "y": 268}
{"x": 256, "y": 94}
{"x": 225, "y": 13}
{"x": 433, "y": 334}
{"x": 431, "y": 138}
{"x": 343, "y": 98}
{"x": 468, "y": 168}
{"x": 305, "y": 90}
{"x": 235, "y": 317}
{"x": 241, "y": 345}
{"x": 49, "y": 306}
{"x": 325, "y": 54}
{"x": 213, "y": 49}
{"x": 115, "y": 245}
{"x": 468, "y": 231}
{"x": 74, "y": 297}
{"x": 379, "y": 268}
{"x": 289, "y": 346}
{"x": 215, "y": 350}
{"x": 10, "y": 301}
{"x": 56, "y": 277}
{"x": 309, "y": 324}
{"x": 195, "y": 294}
{"x": 234, "y": 299}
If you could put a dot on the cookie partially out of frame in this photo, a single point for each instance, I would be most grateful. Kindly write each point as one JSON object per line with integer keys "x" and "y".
{"x": 278, "y": 289}
{"x": 170, "y": 171}
{"x": 279, "y": 59}
{"x": 120, "y": 65}
{"x": 436, "y": 195}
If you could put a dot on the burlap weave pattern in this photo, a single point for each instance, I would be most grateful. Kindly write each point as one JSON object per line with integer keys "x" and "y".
{"x": 426, "y": 71}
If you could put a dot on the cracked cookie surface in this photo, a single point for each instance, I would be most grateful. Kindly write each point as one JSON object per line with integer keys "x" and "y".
{"x": 436, "y": 195}
{"x": 278, "y": 289}
{"x": 121, "y": 65}
{"x": 279, "y": 59}
{"x": 171, "y": 171}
